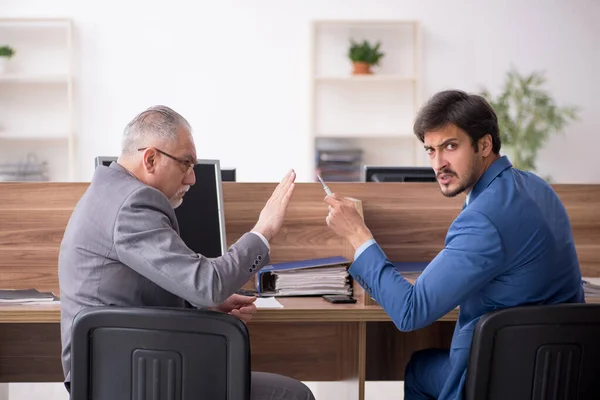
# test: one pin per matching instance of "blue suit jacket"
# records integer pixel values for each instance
(511, 245)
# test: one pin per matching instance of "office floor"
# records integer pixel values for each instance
(322, 391)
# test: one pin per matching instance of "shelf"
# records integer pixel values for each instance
(35, 22)
(377, 23)
(37, 94)
(50, 136)
(34, 78)
(372, 112)
(366, 78)
(369, 135)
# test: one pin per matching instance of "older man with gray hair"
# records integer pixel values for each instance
(121, 246)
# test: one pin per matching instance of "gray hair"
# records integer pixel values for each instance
(157, 123)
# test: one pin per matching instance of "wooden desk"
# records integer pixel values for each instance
(309, 339)
(310, 309)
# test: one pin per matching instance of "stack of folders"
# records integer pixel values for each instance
(314, 277)
(339, 164)
(26, 296)
(30, 169)
(591, 287)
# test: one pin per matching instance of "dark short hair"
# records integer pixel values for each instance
(469, 112)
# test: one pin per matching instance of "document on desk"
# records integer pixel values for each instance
(267, 302)
(591, 287)
(26, 296)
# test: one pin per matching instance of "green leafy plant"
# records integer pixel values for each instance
(527, 116)
(6, 51)
(365, 52)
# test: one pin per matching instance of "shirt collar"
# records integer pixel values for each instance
(488, 176)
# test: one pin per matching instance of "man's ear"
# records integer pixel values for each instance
(485, 145)
(149, 160)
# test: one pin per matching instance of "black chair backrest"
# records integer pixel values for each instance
(536, 352)
(149, 353)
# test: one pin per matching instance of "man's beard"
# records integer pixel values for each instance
(176, 202)
(177, 199)
(464, 185)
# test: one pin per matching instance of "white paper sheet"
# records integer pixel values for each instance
(267, 302)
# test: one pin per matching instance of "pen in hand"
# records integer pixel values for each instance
(325, 187)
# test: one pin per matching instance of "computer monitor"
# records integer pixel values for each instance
(201, 216)
(101, 160)
(398, 174)
(228, 175)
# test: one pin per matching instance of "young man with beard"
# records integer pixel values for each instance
(511, 245)
(121, 246)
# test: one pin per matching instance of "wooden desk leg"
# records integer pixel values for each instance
(362, 359)
(354, 361)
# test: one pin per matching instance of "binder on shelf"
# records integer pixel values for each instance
(314, 277)
(339, 165)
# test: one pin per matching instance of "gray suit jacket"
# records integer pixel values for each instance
(122, 247)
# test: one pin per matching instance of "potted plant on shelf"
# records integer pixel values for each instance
(527, 117)
(364, 56)
(6, 52)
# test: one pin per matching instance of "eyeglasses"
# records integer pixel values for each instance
(189, 165)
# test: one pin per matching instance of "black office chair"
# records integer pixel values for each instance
(536, 352)
(148, 353)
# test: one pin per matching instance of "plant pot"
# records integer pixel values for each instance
(3, 64)
(361, 68)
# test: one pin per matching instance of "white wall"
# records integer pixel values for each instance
(238, 69)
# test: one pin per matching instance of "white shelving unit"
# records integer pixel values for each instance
(36, 95)
(372, 112)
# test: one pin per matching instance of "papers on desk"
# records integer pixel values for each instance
(591, 287)
(267, 302)
(305, 278)
(26, 296)
(326, 280)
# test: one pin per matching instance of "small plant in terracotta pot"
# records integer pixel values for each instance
(364, 56)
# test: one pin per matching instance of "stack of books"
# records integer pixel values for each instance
(314, 277)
